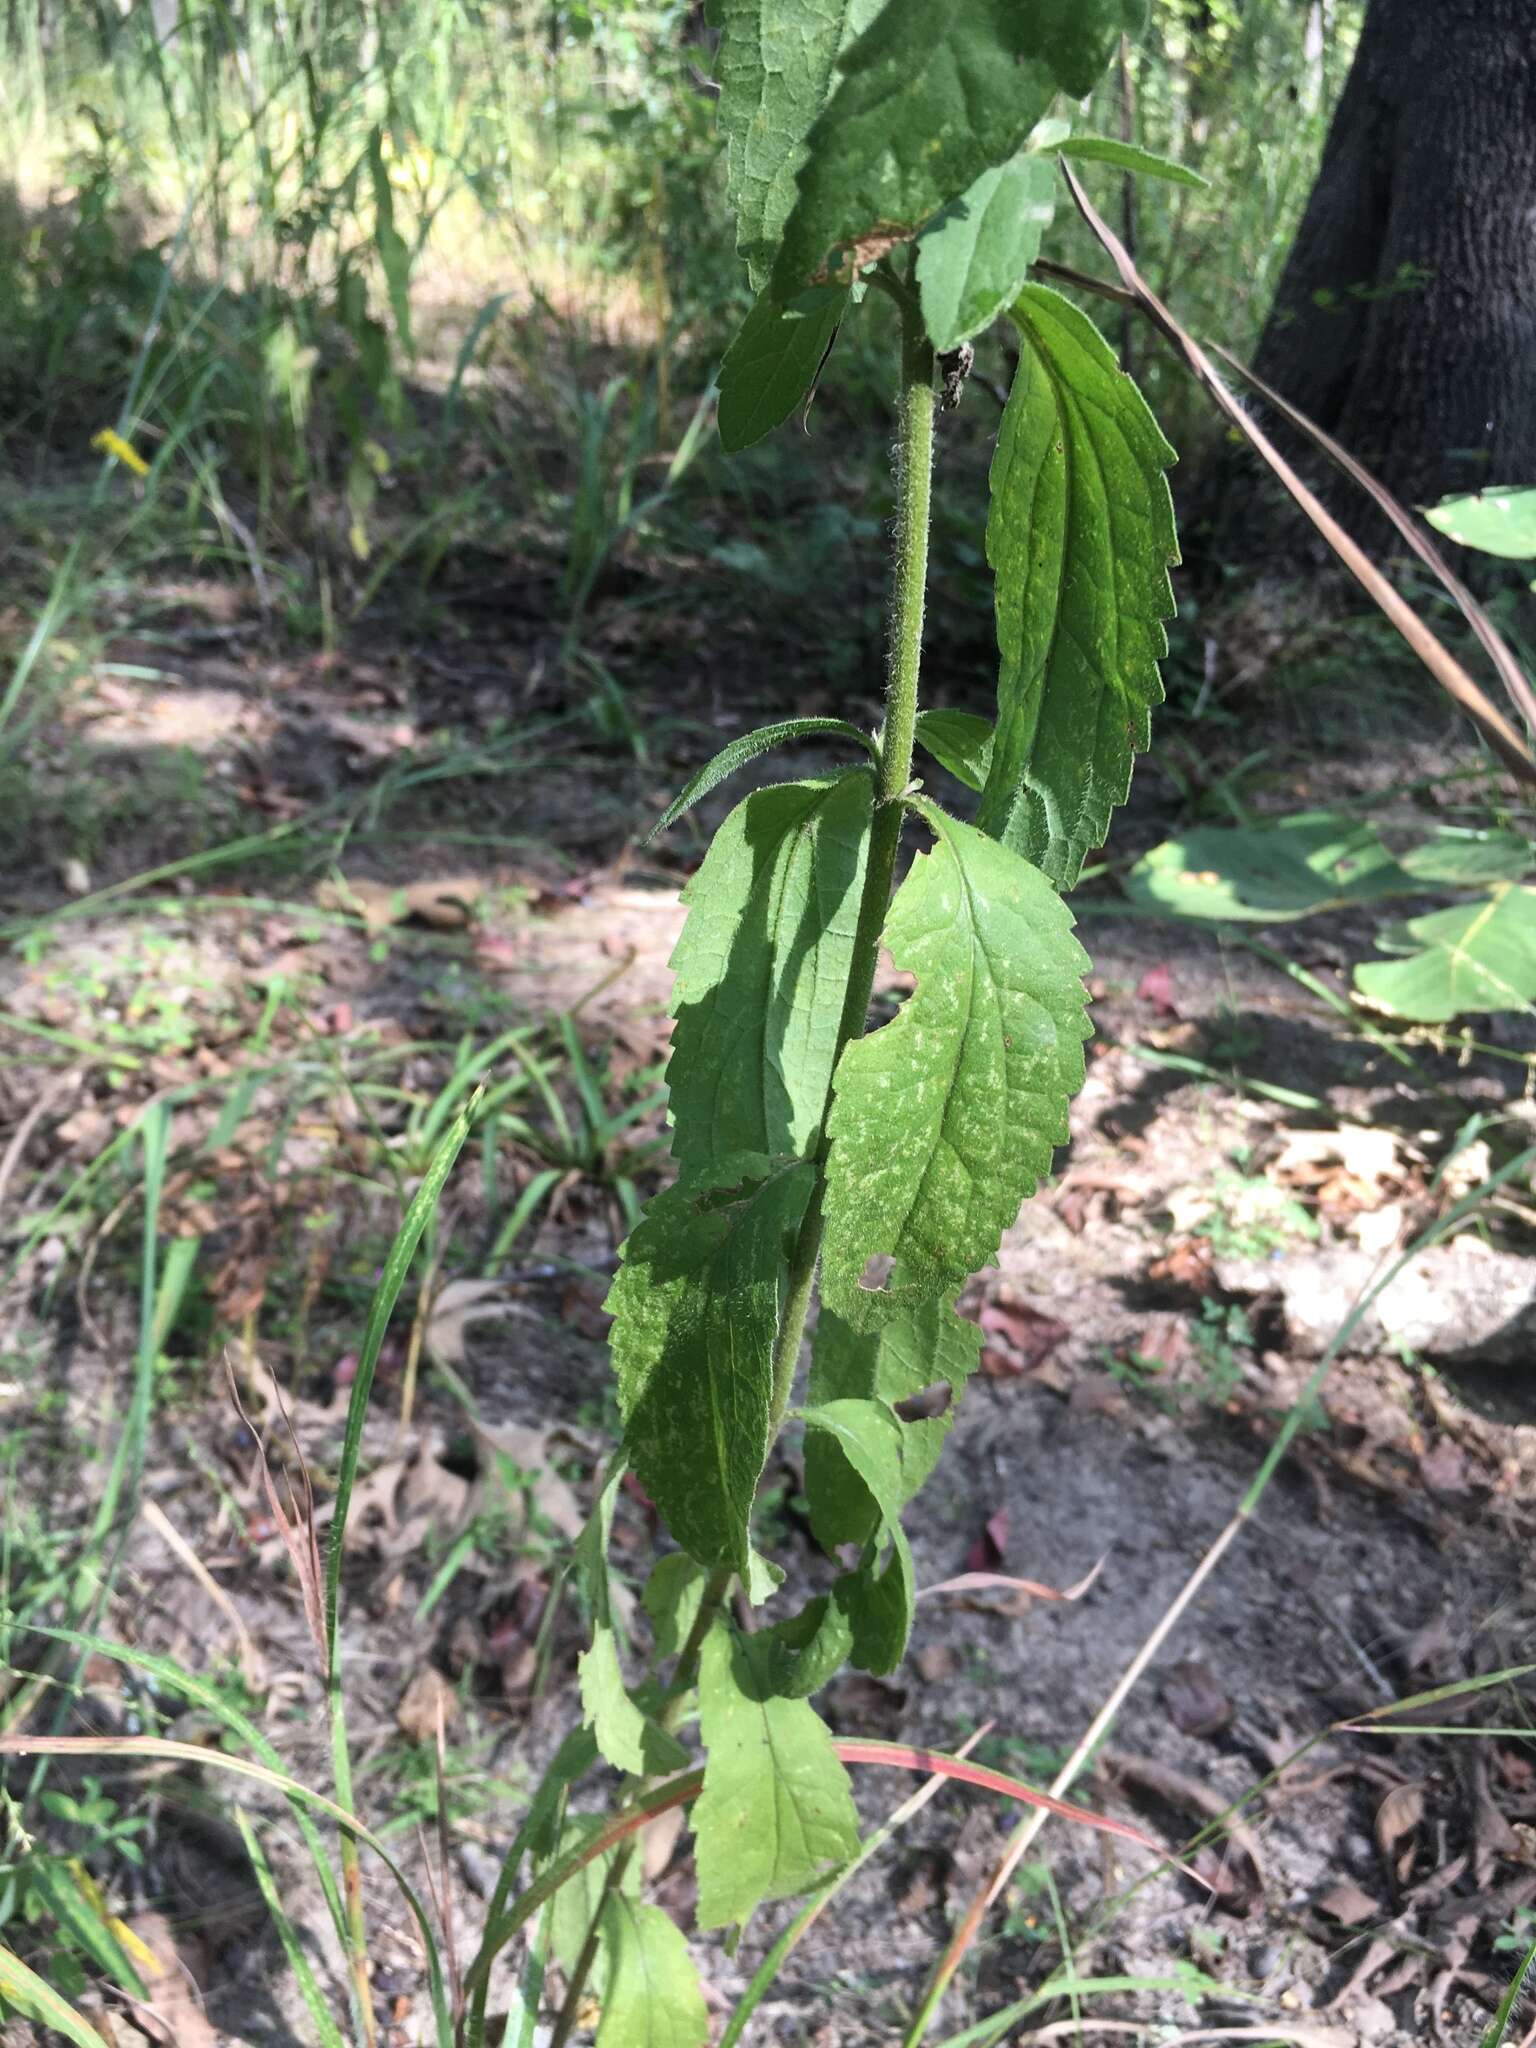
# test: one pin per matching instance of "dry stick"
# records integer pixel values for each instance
(1061, 1784)
(1494, 645)
(1442, 665)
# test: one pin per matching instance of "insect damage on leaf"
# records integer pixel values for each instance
(943, 1120)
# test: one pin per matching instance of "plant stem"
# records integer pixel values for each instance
(914, 491)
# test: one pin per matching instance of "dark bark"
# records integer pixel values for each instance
(1405, 320)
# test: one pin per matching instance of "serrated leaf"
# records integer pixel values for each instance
(1080, 537)
(651, 1997)
(697, 1308)
(1263, 874)
(1127, 156)
(1497, 522)
(772, 364)
(776, 1812)
(973, 257)
(958, 741)
(930, 1346)
(943, 1120)
(876, 1448)
(927, 99)
(1477, 956)
(775, 68)
(627, 1737)
(761, 966)
(745, 749)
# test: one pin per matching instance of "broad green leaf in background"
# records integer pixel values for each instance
(943, 1120)
(1499, 522)
(958, 741)
(746, 748)
(1080, 537)
(776, 1812)
(772, 364)
(929, 1347)
(697, 1308)
(1265, 873)
(776, 66)
(761, 967)
(652, 1997)
(973, 257)
(927, 99)
(1476, 956)
(1469, 859)
(1128, 157)
(627, 1739)
(876, 1449)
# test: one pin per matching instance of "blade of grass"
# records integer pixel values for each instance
(1495, 2035)
(392, 1279)
(32, 1999)
(327, 2032)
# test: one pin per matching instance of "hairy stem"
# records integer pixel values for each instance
(914, 488)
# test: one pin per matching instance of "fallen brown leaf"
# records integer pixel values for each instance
(427, 1698)
(1396, 1827)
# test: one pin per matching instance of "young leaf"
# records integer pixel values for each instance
(1477, 956)
(923, 1349)
(697, 1303)
(811, 1646)
(972, 259)
(628, 1739)
(776, 63)
(943, 1120)
(577, 1900)
(671, 1599)
(761, 967)
(1105, 150)
(772, 363)
(958, 741)
(927, 99)
(652, 1997)
(1265, 873)
(776, 1812)
(742, 750)
(1080, 538)
(874, 1446)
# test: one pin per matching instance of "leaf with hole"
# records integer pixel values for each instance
(926, 100)
(943, 1120)
(1264, 874)
(1475, 956)
(973, 257)
(697, 1308)
(773, 362)
(958, 741)
(776, 1812)
(1080, 537)
(761, 966)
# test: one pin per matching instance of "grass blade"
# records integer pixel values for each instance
(27, 1994)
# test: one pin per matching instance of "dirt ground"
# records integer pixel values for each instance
(1154, 1315)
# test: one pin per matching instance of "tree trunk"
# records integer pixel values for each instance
(1405, 320)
